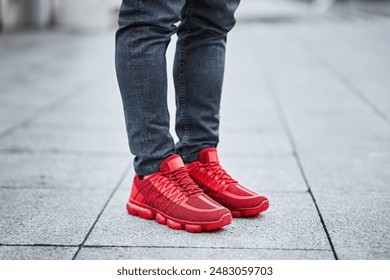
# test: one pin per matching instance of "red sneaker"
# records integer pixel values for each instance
(172, 198)
(220, 186)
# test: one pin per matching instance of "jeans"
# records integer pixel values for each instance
(145, 30)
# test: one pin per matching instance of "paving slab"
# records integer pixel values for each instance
(51, 138)
(341, 133)
(34, 47)
(265, 173)
(358, 222)
(377, 93)
(369, 55)
(200, 254)
(256, 10)
(249, 122)
(291, 223)
(19, 108)
(6, 126)
(36, 253)
(342, 142)
(252, 120)
(351, 65)
(245, 99)
(66, 171)
(106, 97)
(75, 50)
(361, 172)
(17, 113)
(49, 216)
(17, 91)
(22, 86)
(332, 100)
(66, 115)
(96, 101)
(255, 143)
(27, 43)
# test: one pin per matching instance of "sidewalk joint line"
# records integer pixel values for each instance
(37, 245)
(164, 247)
(274, 96)
(127, 169)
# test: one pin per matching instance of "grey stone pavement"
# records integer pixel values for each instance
(305, 120)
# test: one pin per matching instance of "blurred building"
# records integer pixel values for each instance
(68, 14)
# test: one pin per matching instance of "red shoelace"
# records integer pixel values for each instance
(220, 179)
(168, 192)
(182, 178)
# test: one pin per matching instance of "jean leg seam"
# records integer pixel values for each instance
(140, 112)
(183, 103)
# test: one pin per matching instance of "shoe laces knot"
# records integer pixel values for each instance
(182, 178)
(221, 180)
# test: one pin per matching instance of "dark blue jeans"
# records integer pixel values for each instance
(145, 30)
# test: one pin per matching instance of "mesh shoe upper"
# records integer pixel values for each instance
(173, 193)
(219, 185)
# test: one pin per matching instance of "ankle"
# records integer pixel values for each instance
(144, 177)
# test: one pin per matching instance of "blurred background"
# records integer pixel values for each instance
(68, 14)
(102, 14)
(305, 120)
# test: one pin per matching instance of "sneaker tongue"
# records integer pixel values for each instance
(171, 163)
(208, 155)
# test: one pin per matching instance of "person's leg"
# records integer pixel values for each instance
(145, 30)
(169, 195)
(198, 73)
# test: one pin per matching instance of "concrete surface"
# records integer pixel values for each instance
(299, 231)
(148, 253)
(305, 120)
